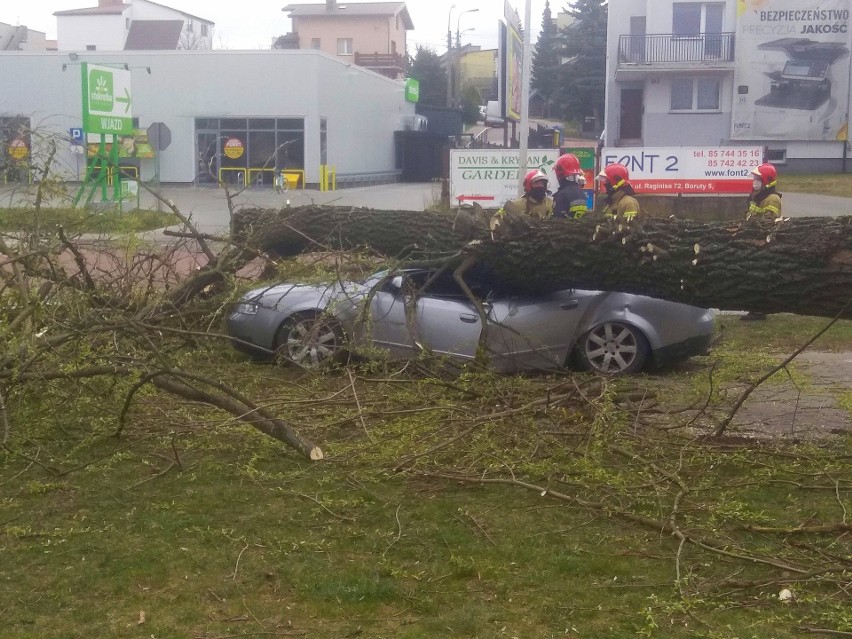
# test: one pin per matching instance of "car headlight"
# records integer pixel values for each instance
(246, 308)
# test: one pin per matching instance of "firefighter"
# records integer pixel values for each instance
(764, 200)
(535, 201)
(569, 201)
(620, 203)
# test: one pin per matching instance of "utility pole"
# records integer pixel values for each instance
(450, 57)
(523, 136)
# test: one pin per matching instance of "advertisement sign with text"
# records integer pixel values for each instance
(791, 81)
(588, 157)
(107, 101)
(513, 54)
(490, 176)
(687, 170)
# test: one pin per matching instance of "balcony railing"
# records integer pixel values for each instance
(385, 63)
(668, 48)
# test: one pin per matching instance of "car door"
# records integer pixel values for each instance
(536, 332)
(415, 312)
(387, 322)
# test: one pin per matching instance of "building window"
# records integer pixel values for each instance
(316, 44)
(204, 31)
(695, 18)
(127, 23)
(776, 156)
(344, 46)
(91, 47)
(695, 94)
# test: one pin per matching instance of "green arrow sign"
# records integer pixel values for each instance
(106, 100)
(125, 100)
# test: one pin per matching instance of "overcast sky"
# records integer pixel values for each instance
(253, 24)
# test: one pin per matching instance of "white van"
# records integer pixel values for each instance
(492, 114)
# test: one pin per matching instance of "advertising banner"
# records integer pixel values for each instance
(792, 75)
(587, 156)
(129, 146)
(490, 176)
(513, 54)
(687, 170)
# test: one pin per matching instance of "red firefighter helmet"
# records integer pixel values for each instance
(767, 174)
(534, 176)
(567, 164)
(615, 174)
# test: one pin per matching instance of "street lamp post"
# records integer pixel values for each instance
(460, 34)
(458, 47)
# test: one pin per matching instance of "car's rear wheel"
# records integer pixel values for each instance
(309, 340)
(613, 348)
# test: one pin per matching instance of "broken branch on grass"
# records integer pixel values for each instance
(178, 382)
(722, 427)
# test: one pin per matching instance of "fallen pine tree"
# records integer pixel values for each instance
(799, 265)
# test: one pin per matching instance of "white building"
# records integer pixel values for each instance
(732, 72)
(20, 38)
(235, 115)
(116, 25)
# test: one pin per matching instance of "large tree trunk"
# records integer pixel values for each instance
(801, 265)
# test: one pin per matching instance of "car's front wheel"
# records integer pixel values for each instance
(613, 348)
(309, 340)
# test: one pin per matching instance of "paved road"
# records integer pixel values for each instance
(209, 208)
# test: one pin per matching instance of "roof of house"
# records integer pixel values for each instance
(109, 10)
(153, 35)
(117, 9)
(344, 9)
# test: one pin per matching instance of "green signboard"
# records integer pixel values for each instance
(586, 155)
(106, 100)
(412, 90)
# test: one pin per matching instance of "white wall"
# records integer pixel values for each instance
(107, 33)
(143, 10)
(363, 108)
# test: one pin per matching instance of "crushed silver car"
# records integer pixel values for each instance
(406, 313)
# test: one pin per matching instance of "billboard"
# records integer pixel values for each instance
(511, 67)
(490, 176)
(792, 74)
(687, 170)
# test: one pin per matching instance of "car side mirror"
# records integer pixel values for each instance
(397, 282)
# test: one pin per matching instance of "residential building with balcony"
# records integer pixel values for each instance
(369, 34)
(131, 25)
(692, 73)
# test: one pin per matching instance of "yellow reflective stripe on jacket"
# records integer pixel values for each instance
(770, 208)
(577, 209)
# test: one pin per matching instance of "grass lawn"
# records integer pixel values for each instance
(75, 220)
(839, 184)
(424, 520)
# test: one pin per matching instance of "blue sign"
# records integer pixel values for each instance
(76, 135)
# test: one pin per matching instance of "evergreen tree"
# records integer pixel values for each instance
(430, 72)
(583, 76)
(546, 60)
